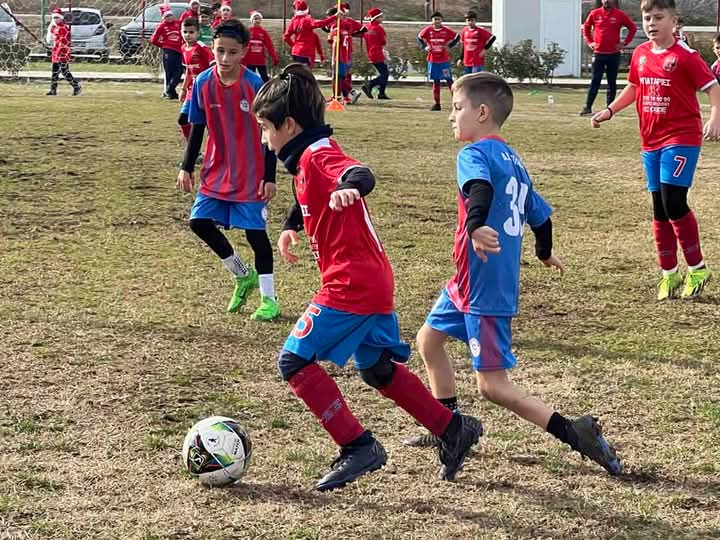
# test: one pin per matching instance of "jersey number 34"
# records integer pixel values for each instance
(514, 225)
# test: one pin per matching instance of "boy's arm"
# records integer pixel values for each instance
(480, 194)
(192, 150)
(294, 219)
(270, 165)
(155, 38)
(712, 127)
(543, 240)
(271, 49)
(454, 41)
(624, 100)
(288, 35)
(360, 178)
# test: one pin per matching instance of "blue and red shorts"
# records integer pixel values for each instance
(670, 165)
(473, 69)
(439, 71)
(230, 215)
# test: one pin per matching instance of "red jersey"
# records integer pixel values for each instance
(666, 84)
(375, 41)
(347, 28)
(356, 274)
(603, 26)
(300, 33)
(190, 13)
(196, 59)
(474, 41)
(260, 43)
(318, 50)
(61, 42)
(168, 35)
(438, 40)
(234, 161)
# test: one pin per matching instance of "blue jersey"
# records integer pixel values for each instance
(492, 288)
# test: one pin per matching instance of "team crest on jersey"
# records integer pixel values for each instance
(474, 347)
(642, 60)
(244, 105)
(301, 183)
(670, 63)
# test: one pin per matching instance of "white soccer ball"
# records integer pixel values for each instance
(217, 451)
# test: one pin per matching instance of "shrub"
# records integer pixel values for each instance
(13, 57)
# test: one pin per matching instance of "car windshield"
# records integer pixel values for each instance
(4, 17)
(84, 18)
(152, 14)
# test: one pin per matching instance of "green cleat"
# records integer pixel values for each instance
(669, 285)
(695, 282)
(268, 310)
(243, 287)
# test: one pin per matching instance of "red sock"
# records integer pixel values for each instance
(666, 244)
(322, 396)
(346, 86)
(407, 390)
(436, 92)
(686, 230)
(185, 131)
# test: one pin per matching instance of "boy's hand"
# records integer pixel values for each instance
(286, 239)
(343, 198)
(183, 95)
(185, 181)
(602, 116)
(485, 240)
(554, 262)
(267, 190)
(459, 63)
(711, 131)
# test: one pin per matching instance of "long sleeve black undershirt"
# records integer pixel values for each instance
(543, 240)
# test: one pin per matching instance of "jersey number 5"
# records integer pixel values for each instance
(514, 224)
(305, 324)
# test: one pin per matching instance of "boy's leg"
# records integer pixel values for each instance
(436, 96)
(54, 79)
(383, 79)
(167, 73)
(262, 71)
(260, 244)
(65, 69)
(176, 71)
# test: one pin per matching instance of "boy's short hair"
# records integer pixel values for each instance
(489, 89)
(647, 5)
(437, 14)
(471, 15)
(294, 93)
(191, 21)
(716, 39)
(233, 29)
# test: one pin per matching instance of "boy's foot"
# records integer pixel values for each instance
(456, 443)
(52, 93)
(268, 310)
(383, 96)
(587, 111)
(77, 90)
(436, 107)
(366, 90)
(352, 463)
(669, 285)
(355, 96)
(243, 288)
(427, 440)
(591, 444)
(695, 282)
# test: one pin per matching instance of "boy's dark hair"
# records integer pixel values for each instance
(647, 5)
(716, 39)
(294, 93)
(232, 29)
(437, 14)
(191, 21)
(489, 89)
(471, 15)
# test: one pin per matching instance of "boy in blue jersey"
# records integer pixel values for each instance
(495, 200)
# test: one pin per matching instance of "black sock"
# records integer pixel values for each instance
(450, 402)
(363, 440)
(560, 427)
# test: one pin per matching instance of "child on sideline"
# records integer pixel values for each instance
(238, 174)
(353, 313)
(716, 65)
(342, 55)
(192, 12)
(168, 37)
(260, 44)
(476, 41)
(300, 34)
(206, 30)
(60, 34)
(197, 57)
(664, 76)
(437, 40)
(495, 200)
(375, 41)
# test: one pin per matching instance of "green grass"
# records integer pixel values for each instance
(115, 338)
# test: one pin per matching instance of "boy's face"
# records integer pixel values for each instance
(659, 24)
(204, 19)
(225, 14)
(257, 21)
(228, 55)
(275, 137)
(467, 121)
(716, 48)
(169, 18)
(607, 4)
(472, 23)
(437, 22)
(190, 34)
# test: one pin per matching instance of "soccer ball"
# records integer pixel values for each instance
(217, 451)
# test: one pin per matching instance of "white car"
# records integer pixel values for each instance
(89, 33)
(8, 27)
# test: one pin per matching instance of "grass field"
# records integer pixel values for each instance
(114, 339)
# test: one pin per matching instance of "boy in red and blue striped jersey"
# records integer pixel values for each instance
(238, 174)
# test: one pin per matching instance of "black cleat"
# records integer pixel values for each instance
(463, 432)
(366, 90)
(592, 444)
(352, 463)
(587, 111)
(436, 107)
(383, 96)
(427, 440)
(52, 93)
(77, 90)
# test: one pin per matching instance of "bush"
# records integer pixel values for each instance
(13, 57)
(151, 58)
(524, 62)
(398, 67)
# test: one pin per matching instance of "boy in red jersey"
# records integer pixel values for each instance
(260, 45)
(193, 12)
(375, 41)
(224, 13)
(60, 34)
(342, 56)
(353, 313)
(664, 76)
(300, 33)
(319, 53)
(476, 41)
(168, 37)
(437, 40)
(197, 57)
(716, 65)
(238, 174)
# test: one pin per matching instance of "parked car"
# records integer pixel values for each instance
(89, 32)
(131, 35)
(8, 26)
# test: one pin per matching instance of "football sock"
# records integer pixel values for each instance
(436, 92)
(686, 230)
(560, 427)
(410, 394)
(267, 286)
(666, 244)
(321, 395)
(451, 403)
(236, 265)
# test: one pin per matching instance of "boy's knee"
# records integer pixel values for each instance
(381, 373)
(490, 387)
(289, 364)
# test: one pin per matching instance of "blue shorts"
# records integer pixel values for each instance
(488, 338)
(439, 72)
(473, 69)
(344, 69)
(323, 333)
(301, 59)
(185, 108)
(231, 215)
(670, 165)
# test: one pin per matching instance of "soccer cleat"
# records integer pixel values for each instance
(436, 107)
(427, 440)
(352, 463)
(383, 96)
(669, 285)
(695, 282)
(591, 444)
(52, 93)
(456, 443)
(366, 90)
(77, 90)
(587, 111)
(243, 288)
(355, 96)
(268, 310)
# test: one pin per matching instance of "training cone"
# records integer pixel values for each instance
(335, 105)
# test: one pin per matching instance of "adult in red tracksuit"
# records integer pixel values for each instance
(602, 33)
(168, 37)
(300, 33)
(259, 45)
(60, 37)
(375, 41)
